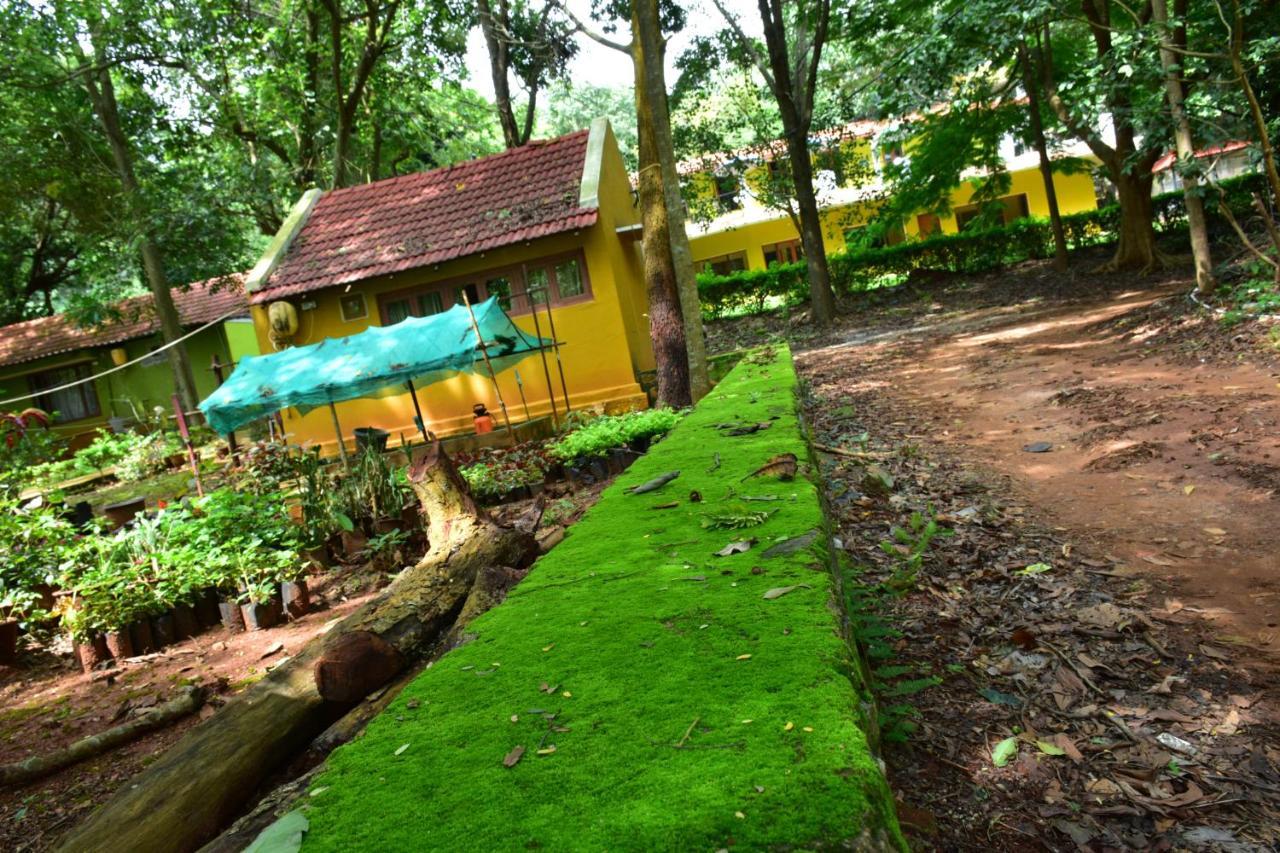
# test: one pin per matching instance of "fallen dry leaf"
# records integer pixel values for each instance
(779, 591)
(513, 757)
(782, 466)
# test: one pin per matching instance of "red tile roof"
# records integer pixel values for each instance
(361, 232)
(1171, 157)
(200, 303)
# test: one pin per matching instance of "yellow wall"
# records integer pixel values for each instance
(1075, 193)
(605, 340)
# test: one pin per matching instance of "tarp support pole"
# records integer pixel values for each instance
(555, 343)
(523, 402)
(422, 425)
(484, 351)
(542, 354)
(337, 428)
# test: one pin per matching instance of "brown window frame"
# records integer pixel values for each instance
(793, 249)
(706, 264)
(88, 390)
(514, 273)
(966, 213)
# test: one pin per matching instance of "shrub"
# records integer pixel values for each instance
(603, 434)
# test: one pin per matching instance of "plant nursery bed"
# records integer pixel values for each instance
(638, 690)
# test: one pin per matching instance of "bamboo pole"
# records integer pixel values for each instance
(422, 424)
(337, 428)
(523, 402)
(542, 353)
(555, 344)
(484, 351)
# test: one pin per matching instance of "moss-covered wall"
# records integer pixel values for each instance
(662, 699)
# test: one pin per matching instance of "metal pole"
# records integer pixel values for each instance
(555, 344)
(484, 351)
(520, 387)
(422, 425)
(337, 428)
(186, 441)
(542, 353)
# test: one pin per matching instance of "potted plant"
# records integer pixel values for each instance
(294, 595)
(259, 602)
(17, 605)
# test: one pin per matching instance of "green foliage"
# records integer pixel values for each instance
(908, 548)
(25, 442)
(602, 434)
(34, 542)
(490, 482)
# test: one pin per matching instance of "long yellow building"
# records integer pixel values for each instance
(735, 225)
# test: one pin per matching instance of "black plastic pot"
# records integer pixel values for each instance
(163, 630)
(92, 653)
(641, 444)
(119, 643)
(207, 609)
(371, 437)
(296, 598)
(317, 558)
(143, 641)
(9, 642)
(185, 623)
(232, 616)
(387, 523)
(353, 543)
(259, 617)
(411, 516)
(123, 512)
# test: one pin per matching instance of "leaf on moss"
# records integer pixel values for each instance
(283, 836)
(792, 545)
(779, 591)
(513, 757)
(736, 548)
(402, 748)
(782, 466)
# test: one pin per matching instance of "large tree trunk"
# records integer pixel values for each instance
(648, 38)
(1137, 247)
(1185, 148)
(102, 95)
(199, 785)
(821, 299)
(666, 325)
(1060, 260)
(498, 65)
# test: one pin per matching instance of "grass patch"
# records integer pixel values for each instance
(661, 701)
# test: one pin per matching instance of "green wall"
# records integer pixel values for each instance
(138, 385)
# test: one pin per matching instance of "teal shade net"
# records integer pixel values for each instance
(371, 364)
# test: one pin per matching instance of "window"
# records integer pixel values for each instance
(1002, 210)
(69, 404)
(779, 170)
(929, 224)
(724, 264)
(874, 236)
(563, 279)
(569, 279)
(727, 197)
(783, 253)
(353, 306)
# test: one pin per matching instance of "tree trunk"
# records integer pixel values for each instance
(666, 325)
(199, 785)
(102, 95)
(1137, 247)
(648, 39)
(1060, 260)
(1185, 148)
(821, 299)
(498, 65)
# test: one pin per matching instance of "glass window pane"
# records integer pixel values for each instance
(501, 288)
(536, 286)
(69, 404)
(397, 311)
(470, 289)
(569, 279)
(430, 303)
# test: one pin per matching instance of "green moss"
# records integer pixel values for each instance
(633, 635)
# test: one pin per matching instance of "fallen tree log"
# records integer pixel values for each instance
(188, 701)
(199, 785)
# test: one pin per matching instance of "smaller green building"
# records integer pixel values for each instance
(49, 352)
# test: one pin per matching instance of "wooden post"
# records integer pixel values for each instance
(181, 418)
(337, 428)
(484, 351)
(216, 367)
(542, 353)
(422, 425)
(523, 402)
(555, 345)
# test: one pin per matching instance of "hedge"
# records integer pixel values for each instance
(965, 252)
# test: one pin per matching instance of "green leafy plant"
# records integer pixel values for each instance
(909, 546)
(604, 433)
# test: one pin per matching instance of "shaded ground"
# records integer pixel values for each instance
(1135, 664)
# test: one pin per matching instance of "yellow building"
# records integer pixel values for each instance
(553, 220)
(733, 226)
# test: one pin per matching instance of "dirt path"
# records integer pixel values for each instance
(1173, 469)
